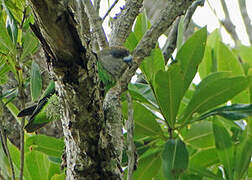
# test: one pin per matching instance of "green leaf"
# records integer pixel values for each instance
(152, 64)
(223, 143)
(199, 135)
(227, 61)
(180, 35)
(191, 177)
(12, 108)
(205, 172)
(203, 158)
(143, 93)
(148, 166)
(15, 155)
(6, 45)
(212, 91)
(36, 81)
(233, 112)
(205, 67)
(16, 8)
(37, 165)
(131, 42)
(190, 55)
(244, 153)
(30, 44)
(11, 24)
(174, 159)
(45, 144)
(53, 170)
(61, 176)
(142, 25)
(145, 122)
(169, 90)
(245, 53)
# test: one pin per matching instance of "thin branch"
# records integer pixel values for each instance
(6, 149)
(22, 149)
(246, 19)
(171, 41)
(130, 139)
(22, 102)
(97, 4)
(226, 23)
(96, 24)
(109, 10)
(149, 40)
(123, 22)
(191, 11)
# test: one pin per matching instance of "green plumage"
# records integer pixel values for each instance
(105, 77)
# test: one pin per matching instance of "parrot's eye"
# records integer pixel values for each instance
(119, 53)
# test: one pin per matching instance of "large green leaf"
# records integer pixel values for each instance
(143, 93)
(145, 122)
(203, 158)
(148, 166)
(245, 53)
(223, 143)
(227, 61)
(169, 90)
(213, 91)
(37, 164)
(36, 81)
(190, 55)
(209, 62)
(152, 64)
(233, 112)
(199, 135)
(45, 144)
(174, 159)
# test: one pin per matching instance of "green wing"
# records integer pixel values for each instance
(105, 77)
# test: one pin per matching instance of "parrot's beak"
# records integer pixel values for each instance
(128, 59)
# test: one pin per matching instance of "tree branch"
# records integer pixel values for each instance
(130, 139)
(96, 24)
(149, 40)
(109, 10)
(246, 19)
(121, 27)
(171, 41)
(227, 23)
